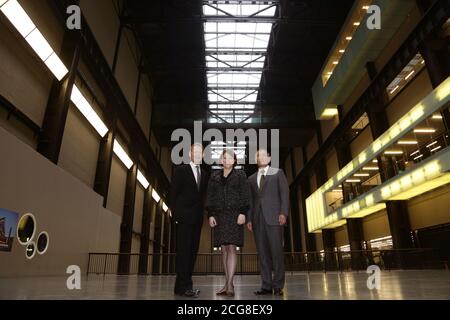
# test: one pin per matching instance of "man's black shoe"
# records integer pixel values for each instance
(278, 292)
(263, 292)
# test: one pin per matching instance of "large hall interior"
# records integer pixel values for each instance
(352, 94)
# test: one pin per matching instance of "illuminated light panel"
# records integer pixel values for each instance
(432, 144)
(56, 66)
(155, 195)
(425, 130)
(407, 142)
(395, 89)
(393, 152)
(142, 180)
(122, 155)
(435, 149)
(329, 113)
(25, 26)
(87, 111)
(409, 75)
(316, 209)
(418, 157)
(370, 168)
(18, 17)
(362, 175)
(424, 187)
(437, 117)
(165, 207)
(352, 180)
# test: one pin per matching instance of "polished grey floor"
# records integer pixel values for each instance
(299, 286)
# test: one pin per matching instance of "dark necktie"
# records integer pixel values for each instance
(199, 178)
(261, 181)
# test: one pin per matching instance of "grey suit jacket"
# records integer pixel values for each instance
(273, 198)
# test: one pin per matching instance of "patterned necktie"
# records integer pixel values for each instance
(198, 177)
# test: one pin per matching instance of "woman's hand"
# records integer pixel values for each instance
(241, 219)
(212, 222)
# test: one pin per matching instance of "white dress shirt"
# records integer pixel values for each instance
(194, 170)
(262, 172)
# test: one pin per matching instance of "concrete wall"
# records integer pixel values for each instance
(65, 207)
(80, 147)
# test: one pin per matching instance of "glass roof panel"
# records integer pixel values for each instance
(236, 40)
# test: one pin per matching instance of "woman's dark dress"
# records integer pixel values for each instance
(226, 199)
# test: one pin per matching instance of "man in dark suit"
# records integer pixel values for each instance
(187, 195)
(267, 218)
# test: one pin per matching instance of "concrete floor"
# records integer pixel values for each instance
(299, 286)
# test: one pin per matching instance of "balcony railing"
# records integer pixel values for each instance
(248, 263)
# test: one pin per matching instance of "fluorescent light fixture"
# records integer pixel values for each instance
(407, 142)
(370, 168)
(362, 175)
(336, 190)
(415, 152)
(22, 22)
(155, 195)
(353, 180)
(329, 73)
(437, 117)
(409, 75)
(425, 130)
(418, 157)
(142, 180)
(435, 149)
(395, 89)
(165, 207)
(422, 188)
(18, 17)
(56, 66)
(356, 23)
(97, 123)
(342, 51)
(88, 112)
(393, 152)
(348, 38)
(431, 144)
(329, 112)
(37, 41)
(375, 161)
(122, 155)
(365, 7)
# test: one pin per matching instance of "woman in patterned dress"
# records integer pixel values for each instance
(227, 202)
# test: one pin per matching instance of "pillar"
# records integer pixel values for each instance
(53, 125)
(126, 227)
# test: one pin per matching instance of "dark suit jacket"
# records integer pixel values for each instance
(273, 198)
(185, 200)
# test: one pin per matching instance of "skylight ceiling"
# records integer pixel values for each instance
(237, 34)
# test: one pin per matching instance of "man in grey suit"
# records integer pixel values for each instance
(266, 219)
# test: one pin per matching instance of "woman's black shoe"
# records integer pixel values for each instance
(262, 292)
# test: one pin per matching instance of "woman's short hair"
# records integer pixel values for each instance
(231, 153)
